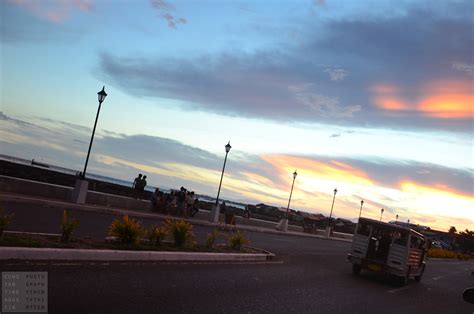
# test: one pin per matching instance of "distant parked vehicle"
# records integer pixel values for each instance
(388, 248)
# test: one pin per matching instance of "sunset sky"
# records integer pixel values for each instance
(374, 98)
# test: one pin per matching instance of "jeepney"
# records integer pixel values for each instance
(388, 248)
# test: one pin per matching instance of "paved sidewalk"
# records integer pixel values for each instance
(136, 213)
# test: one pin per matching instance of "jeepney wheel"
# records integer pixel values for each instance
(356, 269)
(404, 280)
(418, 278)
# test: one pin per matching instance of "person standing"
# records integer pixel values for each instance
(155, 199)
(195, 208)
(136, 185)
(142, 187)
(189, 203)
(181, 201)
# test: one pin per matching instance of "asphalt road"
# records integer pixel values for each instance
(308, 276)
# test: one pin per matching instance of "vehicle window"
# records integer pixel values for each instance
(400, 238)
(363, 229)
(416, 243)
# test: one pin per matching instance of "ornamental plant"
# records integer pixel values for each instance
(127, 230)
(67, 227)
(5, 220)
(236, 240)
(157, 235)
(181, 231)
(211, 238)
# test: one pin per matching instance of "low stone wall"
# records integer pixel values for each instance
(34, 188)
(204, 215)
(64, 193)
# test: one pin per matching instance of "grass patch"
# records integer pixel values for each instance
(14, 240)
(46, 241)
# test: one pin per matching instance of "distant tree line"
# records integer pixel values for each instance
(464, 240)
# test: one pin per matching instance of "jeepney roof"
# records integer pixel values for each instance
(389, 226)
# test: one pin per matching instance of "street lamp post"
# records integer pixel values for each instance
(283, 224)
(328, 228)
(101, 97)
(381, 213)
(80, 189)
(215, 210)
(361, 204)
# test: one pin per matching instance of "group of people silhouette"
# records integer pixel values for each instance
(180, 203)
(139, 185)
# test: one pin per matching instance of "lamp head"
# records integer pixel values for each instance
(101, 95)
(228, 147)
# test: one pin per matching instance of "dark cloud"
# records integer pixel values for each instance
(325, 79)
(164, 9)
(261, 85)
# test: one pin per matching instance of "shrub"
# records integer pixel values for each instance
(211, 238)
(156, 235)
(127, 230)
(442, 253)
(236, 240)
(5, 220)
(67, 227)
(181, 231)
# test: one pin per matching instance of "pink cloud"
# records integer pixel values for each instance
(54, 10)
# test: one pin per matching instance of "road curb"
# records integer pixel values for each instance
(19, 253)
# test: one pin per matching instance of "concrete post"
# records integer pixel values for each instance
(327, 232)
(282, 225)
(79, 193)
(215, 211)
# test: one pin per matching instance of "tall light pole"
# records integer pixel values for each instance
(79, 193)
(101, 97)
(215, 212)
(361, 204)
(283, 224)
(381, 213)
(332, 206)
(291, 193)
(328, 227)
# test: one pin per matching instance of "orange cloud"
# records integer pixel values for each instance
(386, 97)
(437, 188)
(438, 99)
(438, 201)
(448, 100)
(312, 169)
